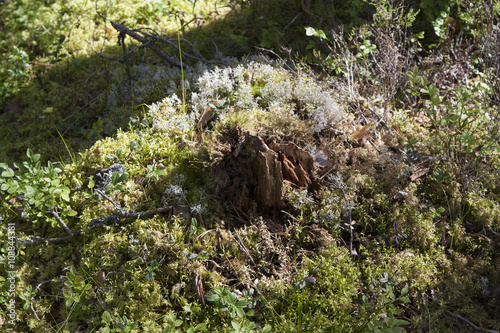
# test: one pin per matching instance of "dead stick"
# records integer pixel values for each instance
(117, 207)
(121, 28)
(96, 222)
(134, 215)
(61, 222)
(469, 323)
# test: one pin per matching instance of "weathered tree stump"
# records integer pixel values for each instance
(252, 175)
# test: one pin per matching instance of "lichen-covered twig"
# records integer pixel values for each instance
(39, 240)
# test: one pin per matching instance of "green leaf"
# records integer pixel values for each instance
(149, 275)
(432, 90)
(397, 322)
(133, 145)
(200, 326)
(8, 173)
(70, 212)
(316, 33)
(115, 178)
(30, 191)
(177, 323)
(240, 312)
(236, 325)
(212, 298)
(64, 193)
(106, 317)
(241, 304)
(266, 328)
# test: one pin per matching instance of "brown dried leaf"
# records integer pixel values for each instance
(206, 117)
(101, 276)
(418, 172)
(360, 131)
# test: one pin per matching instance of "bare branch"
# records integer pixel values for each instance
(128, 215)
(121, 28)
(61, 222)
(117, 206)
(99, 222)
(477, 328)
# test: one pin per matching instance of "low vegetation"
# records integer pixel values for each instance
(250, 166)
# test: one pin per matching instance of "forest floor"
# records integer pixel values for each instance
(186, 181)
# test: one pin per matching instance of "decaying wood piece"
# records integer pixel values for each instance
(251, 175)
(198, 288)
(269, 177)
(297, 165)
(300, 155)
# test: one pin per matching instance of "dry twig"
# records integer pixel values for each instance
(122, 29)
(97, 222)
(477, 328)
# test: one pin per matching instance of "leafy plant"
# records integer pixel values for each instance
(234, 304)
(230, 302)
(75, 287)
(383, 308)
(117, 156)
(58, 56)
(195, 228)
(28, 296)
(154, 172)
(117, 181)
(151, 270)
(174, 324)
(125, 325)
(37, 188)
(462, 125)
(17, 72)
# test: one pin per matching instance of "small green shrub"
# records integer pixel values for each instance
(38, 189)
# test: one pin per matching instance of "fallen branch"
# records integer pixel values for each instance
(39, 240)
(122, 29)
(61, 222)
(128, 215)
(117, 207)
(98, 222)
(477, 328)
